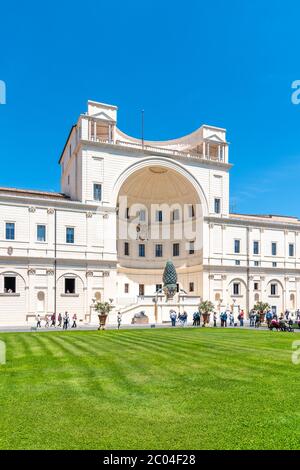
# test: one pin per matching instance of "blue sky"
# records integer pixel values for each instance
(226, 63)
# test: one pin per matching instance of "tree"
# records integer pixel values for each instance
(261, 307)
(205, 308)
(103, 309)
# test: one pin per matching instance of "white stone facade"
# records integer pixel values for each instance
(58, 251)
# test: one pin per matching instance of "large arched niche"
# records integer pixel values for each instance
(162, 163)
(159, 182)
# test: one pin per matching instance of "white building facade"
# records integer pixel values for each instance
(126, 207)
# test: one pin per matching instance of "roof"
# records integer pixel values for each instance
(66, 143)
(273, 217)
(32, 192)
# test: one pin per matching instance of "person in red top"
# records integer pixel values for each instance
(241, 317)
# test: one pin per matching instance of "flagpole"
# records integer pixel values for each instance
(142, 128)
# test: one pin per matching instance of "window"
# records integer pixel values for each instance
(142, 215)
(158, 216)
(158, 288)
(256, 286)
(237, 246)
(10, 231)
(177, 287)
(256, 263)
(291, 249)
(274, 248)
(191, 287)
(10, 284)
(126, 288)
(69, 285)
(175, 249)
(176, 214)
(141, 290)
(236, 288)
(217, 206)
(70, 234)
(256, 248)
(142, 250)
(274, 264)
(273, 289)
(41, 233)
(191, 211)
(158, 250)
(68, 179)
(126, 249)
(237, 262)
(127, 216)
(97, 192)
(192, 248)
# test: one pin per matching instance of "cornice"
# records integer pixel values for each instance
(53, 203)
(251, 271)
(252, 223)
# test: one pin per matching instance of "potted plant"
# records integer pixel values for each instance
(206, 307)
(103, 309)
(261, 308)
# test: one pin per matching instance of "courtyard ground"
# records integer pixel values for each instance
(150, 389)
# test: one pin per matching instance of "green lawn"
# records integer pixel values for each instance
(150, 389)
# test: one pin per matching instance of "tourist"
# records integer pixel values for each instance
(298, 315)
(231, 319)
(173, 317)
(196, 319)
(269, 317)
(215, 319)
(119, 319)
(241, 317)
(257, 320)
(53, 319)
(184, 318)
(47, 321)
(252, 318)
(59, 318)
(287, 313)
(66, 321)
(74, 318)
(38, 321)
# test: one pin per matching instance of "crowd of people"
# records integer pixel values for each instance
(227, 318)
(62, 321)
